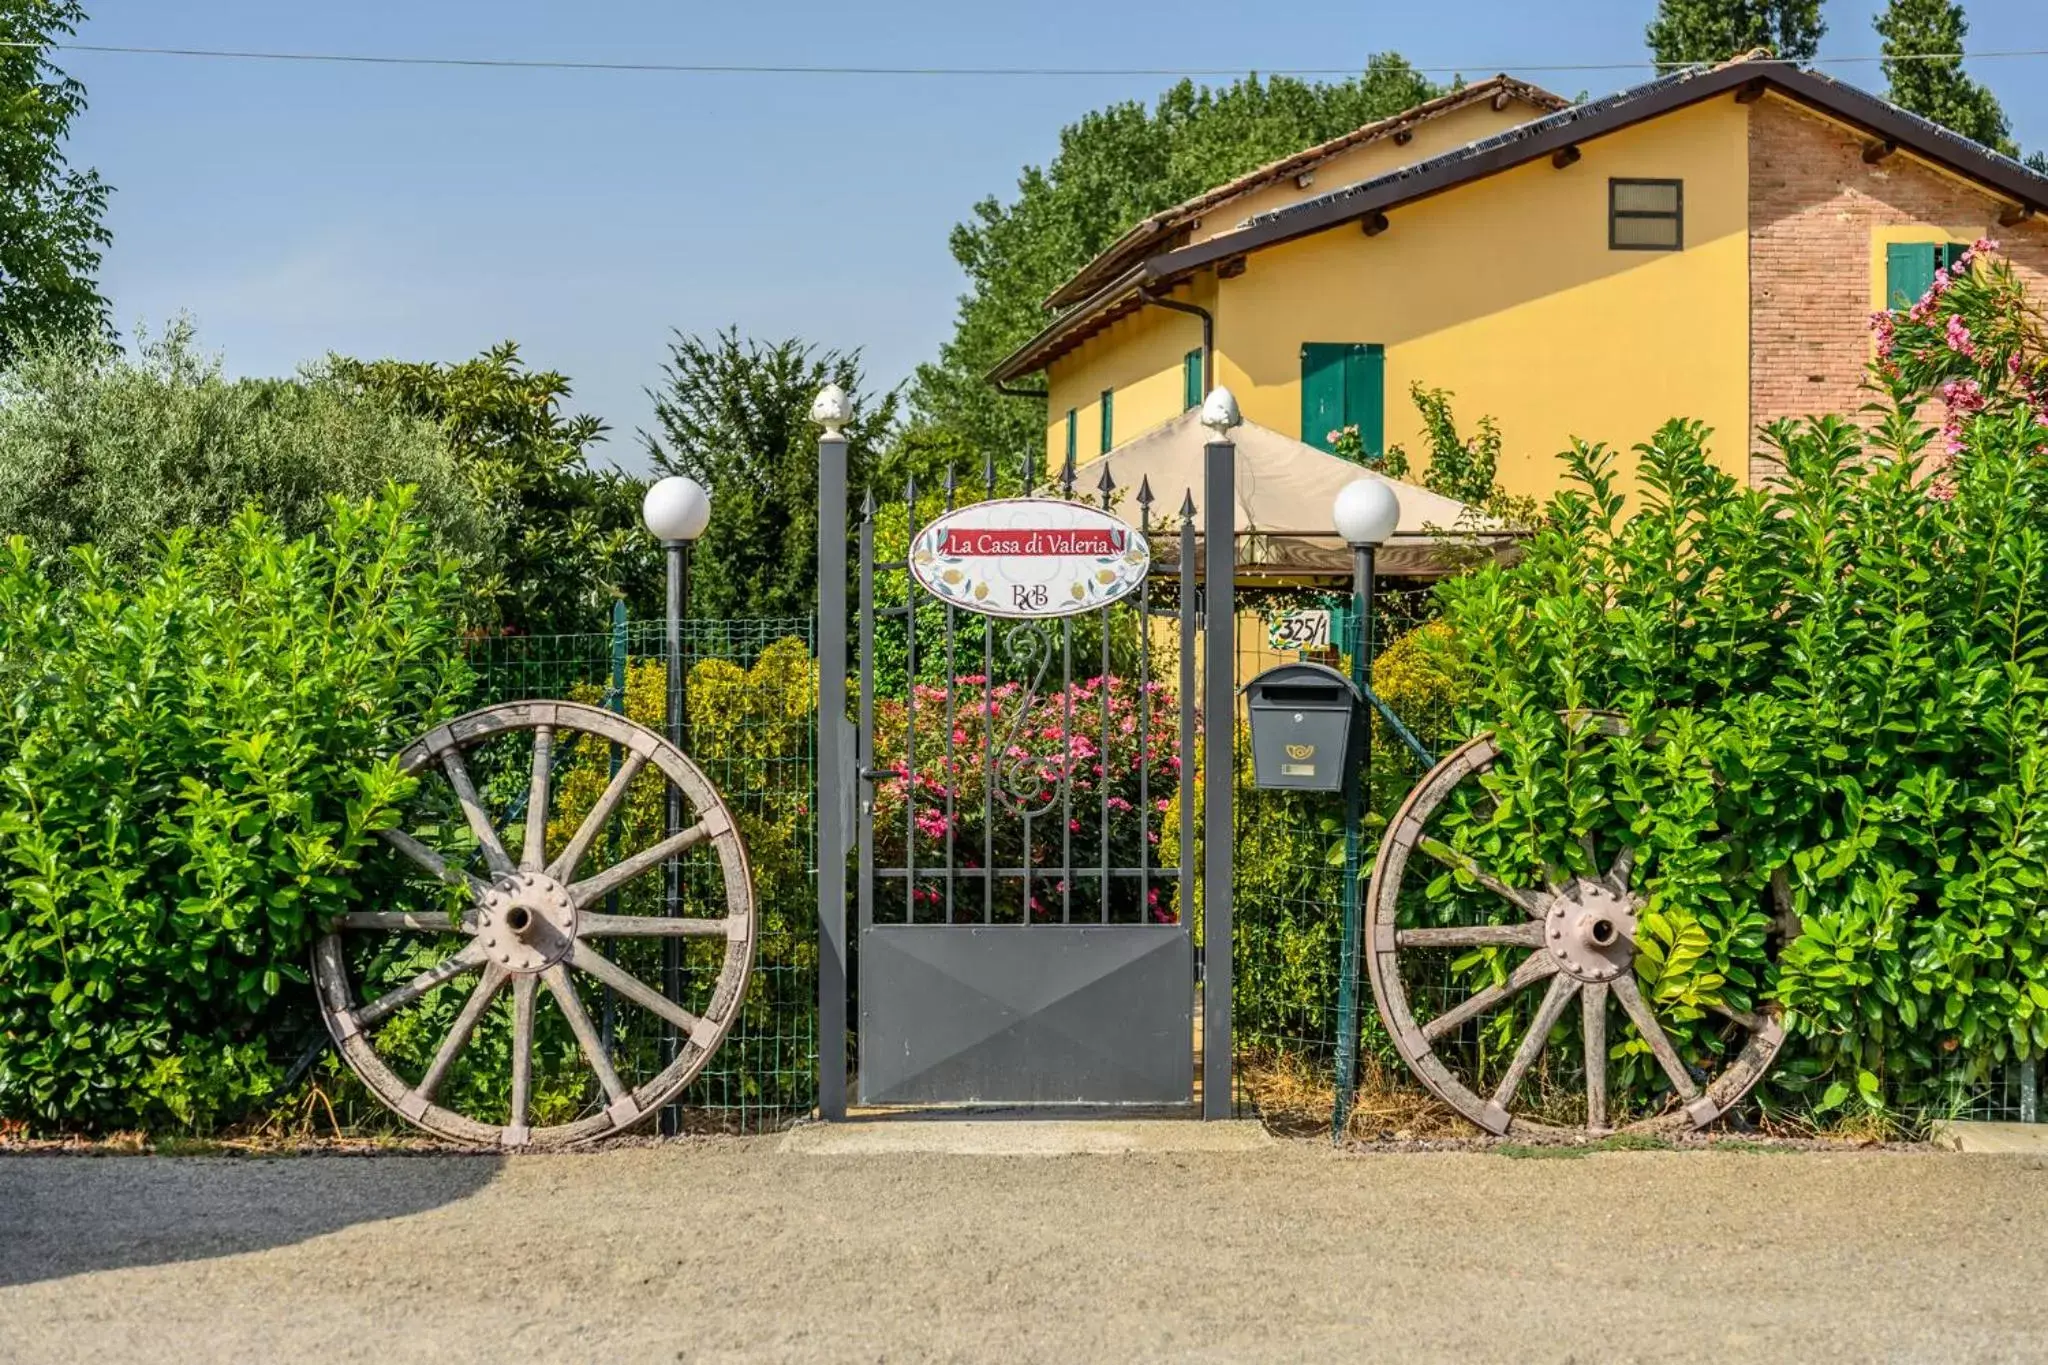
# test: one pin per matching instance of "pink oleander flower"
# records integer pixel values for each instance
(1983, 245)
(1958, 337)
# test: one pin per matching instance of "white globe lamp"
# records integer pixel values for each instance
(1366, 512)
(676, 509)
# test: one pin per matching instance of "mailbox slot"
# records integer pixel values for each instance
(1305, 720)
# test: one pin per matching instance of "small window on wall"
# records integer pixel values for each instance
(1108, 420)
(1191, 389)
(1645, 215)
(1909, 269)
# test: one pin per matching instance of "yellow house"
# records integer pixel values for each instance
(1707, 245)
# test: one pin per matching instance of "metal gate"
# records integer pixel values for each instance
(1023, 831)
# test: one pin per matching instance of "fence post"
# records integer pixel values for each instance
(833, 812)
(1219, 739)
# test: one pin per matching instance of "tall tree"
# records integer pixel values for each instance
(1115, 166)
(1923, 68)
(51, 235)
(1689, 31)
(734, 414)
(566, 537)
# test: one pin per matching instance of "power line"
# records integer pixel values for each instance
(804, 69)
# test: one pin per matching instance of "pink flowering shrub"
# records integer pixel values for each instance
(1066, 758)
(1974, 341)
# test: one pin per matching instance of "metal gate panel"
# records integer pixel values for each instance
(1026, 1014)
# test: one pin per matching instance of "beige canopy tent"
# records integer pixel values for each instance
(1285, 489)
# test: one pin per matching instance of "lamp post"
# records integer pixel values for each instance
(676, 511)
(1365, 514)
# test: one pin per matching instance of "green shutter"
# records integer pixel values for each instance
(1344, 384)
(1365, 396)
(1073, 423)
(1908, 272)
(1191, 379)
(1108, 419)
(1322, 391)
(1951, 252)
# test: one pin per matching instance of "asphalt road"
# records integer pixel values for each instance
(721, 1249)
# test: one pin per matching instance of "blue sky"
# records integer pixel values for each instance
(293, 209)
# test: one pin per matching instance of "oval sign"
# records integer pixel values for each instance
(1029, 557)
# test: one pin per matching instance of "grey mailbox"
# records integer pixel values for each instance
(1304, 720)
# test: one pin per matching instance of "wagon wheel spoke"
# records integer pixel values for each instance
(563, 989)
(1591, 850)
(585, 958)
(1533, 903)
(524, 994)
(433, 862)
(535, 855)
(1593, 1000)
(1528, 935)
(1621, 869)
(563, 868)
(1755, 1023)
(1534, 968)
(649, 926)
(1631, 997)
(473, 811)
(618, 874)
(404, 919)
(1562, 989)
(440, 974)
(458, 1035)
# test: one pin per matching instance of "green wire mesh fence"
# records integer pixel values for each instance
(749, 725)
(1298, 877)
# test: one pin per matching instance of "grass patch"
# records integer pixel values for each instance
(1566, 1151)
(190, 1146)
(1543, 1151)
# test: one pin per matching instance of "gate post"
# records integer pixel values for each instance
(833, 814)
(1219, 736)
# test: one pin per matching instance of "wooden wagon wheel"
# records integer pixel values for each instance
(1580, 936)
(533, 921)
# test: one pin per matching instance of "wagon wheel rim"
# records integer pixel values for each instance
(1579, 932)
(534, 923)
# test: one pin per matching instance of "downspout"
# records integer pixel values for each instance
(1208, 332)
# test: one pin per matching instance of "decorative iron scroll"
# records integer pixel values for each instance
(1031, 783)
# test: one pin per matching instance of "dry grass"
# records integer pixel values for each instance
(1295, 1098)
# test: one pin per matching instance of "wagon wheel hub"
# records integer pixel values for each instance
(1591, 931)
(526, 922)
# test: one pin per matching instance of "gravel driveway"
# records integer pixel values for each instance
(709, 1249)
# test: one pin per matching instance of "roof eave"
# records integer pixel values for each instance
(1843, 102)
(1154, 225)
(1045, 344)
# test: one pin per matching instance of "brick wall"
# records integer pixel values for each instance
(1813, 203)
